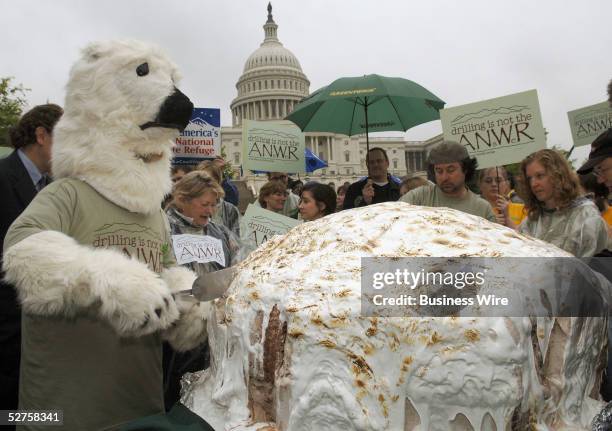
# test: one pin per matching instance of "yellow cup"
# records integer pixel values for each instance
(516, 212)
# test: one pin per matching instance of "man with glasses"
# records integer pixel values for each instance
(600, 159)
(451, 166)
(600, 163)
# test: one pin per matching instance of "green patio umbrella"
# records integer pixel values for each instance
(369, 103)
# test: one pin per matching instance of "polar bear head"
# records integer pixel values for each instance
(122, 114)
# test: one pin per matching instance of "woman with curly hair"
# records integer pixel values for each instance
(272, 196)
(556, 211)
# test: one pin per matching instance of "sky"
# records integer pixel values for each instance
(462, 51)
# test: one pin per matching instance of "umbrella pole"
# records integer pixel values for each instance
(365, 107)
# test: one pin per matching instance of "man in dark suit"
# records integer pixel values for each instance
(22, 174)
(379, 186)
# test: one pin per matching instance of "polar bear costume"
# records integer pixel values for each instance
(90, 256)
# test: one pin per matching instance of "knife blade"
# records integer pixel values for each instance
(213, 285)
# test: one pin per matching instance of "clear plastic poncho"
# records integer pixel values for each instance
(578, 229)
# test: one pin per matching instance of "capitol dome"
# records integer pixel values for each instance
(271, 54)
(272, 81)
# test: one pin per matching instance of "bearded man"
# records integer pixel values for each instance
(452, 167)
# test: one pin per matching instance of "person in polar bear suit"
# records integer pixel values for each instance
(90, 256)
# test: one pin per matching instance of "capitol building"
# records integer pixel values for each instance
(271, 84)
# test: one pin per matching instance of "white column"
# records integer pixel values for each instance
(329, 157)
(269, 110)
(277, 108)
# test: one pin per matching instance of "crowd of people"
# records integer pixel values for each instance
(547, 199)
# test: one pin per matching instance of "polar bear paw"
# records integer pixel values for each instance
(190, 330)
(135, 300)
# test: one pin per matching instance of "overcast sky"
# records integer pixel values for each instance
(462, 51)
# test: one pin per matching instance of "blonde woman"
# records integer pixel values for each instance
(194, 200)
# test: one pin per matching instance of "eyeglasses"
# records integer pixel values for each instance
(601, 172)
(491, 180)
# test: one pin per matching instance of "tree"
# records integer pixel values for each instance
(567, 154)
(12, 102)
(228, 171)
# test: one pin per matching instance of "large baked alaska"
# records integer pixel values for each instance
(291, 351)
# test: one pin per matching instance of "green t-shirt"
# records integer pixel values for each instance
(80, 365)
(431, 196)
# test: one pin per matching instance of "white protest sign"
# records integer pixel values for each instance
(197, 248)
(273, 147)
(497, 131)
(259, 224)
(589, 122)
